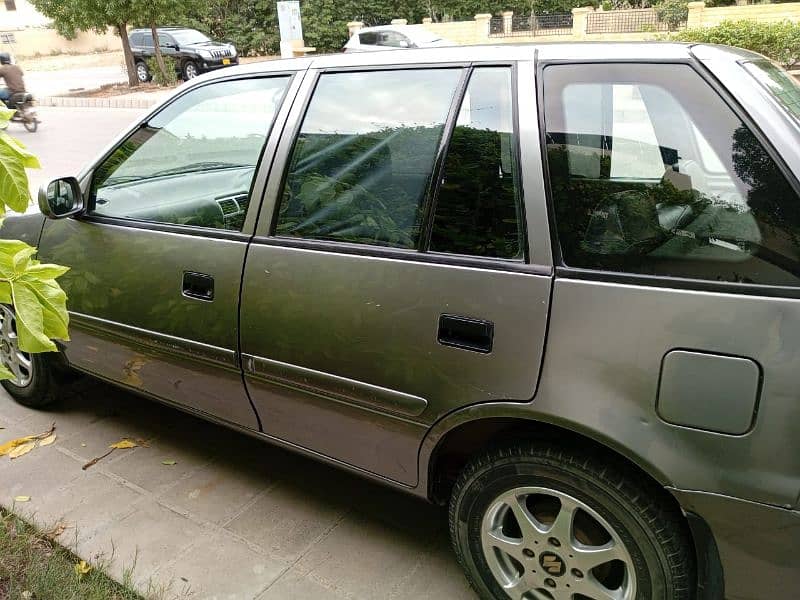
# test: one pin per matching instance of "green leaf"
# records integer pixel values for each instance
(53, 302)
(14, 191)
(5, 373)
(30, 320)
(22, 259)
(28, 160)
(46, 271)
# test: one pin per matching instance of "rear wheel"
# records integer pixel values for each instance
(536, 522)
(36, 380)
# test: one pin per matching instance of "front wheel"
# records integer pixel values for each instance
(190, 70)
(30, 123)
(142, 72)
(36, 378)
(536, 522)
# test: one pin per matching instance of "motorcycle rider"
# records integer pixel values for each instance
(12, 76)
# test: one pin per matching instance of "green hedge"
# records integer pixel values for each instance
(779, 41)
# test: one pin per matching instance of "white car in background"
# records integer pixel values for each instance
(393, 37)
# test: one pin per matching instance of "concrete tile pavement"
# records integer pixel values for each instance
(234, 518)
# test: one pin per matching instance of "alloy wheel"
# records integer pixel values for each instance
(141, 72)
(190, 71)
(17, 361)
(542, 544)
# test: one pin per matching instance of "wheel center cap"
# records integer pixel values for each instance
(552, 563)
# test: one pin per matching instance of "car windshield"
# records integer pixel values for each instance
(189, 36)
(783, 87)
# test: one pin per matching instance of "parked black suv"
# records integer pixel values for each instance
(194, 52)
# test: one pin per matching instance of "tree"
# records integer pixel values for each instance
(71, 16)
(26, 284)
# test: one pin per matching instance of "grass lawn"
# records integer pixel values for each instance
(32, 567)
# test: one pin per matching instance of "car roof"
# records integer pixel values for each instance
(167, 28)
(569, 51)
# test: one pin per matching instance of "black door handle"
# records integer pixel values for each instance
(466, 333)
(198, 285)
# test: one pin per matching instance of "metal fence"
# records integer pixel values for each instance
(532, 25)
(627, 21)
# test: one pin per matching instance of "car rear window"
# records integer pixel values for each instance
(652, 173)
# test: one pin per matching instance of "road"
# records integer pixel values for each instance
(59, 82)
(69, 138)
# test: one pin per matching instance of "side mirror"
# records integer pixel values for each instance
(61, 198)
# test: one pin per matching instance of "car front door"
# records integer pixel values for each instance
(394, 281)
(156, 261)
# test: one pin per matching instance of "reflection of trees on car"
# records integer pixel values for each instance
(657, 228)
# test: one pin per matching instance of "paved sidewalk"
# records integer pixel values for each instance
(234, 518)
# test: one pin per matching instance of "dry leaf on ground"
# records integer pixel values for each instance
(48, 440)
(169, 463)
(18, 447)
(123, 444)
(22, 449)
(22, 498)
(56, 530)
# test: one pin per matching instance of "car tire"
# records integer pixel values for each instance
(190, 70)
(40, 376)
(142, 72)
(530, 520)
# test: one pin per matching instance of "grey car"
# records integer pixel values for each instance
(554, 287)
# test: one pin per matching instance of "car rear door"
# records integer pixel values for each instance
(156, 261)
(676, 309)
(398, 277)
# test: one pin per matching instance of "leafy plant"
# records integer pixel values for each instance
(779, 41)
(673, 12)
(25, 283)
(169, 76)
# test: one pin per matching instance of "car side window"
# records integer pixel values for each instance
(478, 209)
(147, 39)
(193, 162)
(652, 173)
(362, 162)
(369, 38)
(165, 41)
(393, 39)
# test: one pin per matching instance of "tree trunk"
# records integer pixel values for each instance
(159, 57)
(130, 63)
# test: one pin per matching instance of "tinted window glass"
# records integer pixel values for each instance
(193, 163)
(477, 211)
(369, 38)
(653, 173)
(146, 39)
(362, 163)
(165, 40)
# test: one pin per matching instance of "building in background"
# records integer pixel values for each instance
(20, 14)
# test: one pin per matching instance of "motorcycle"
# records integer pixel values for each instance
(25, 113)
